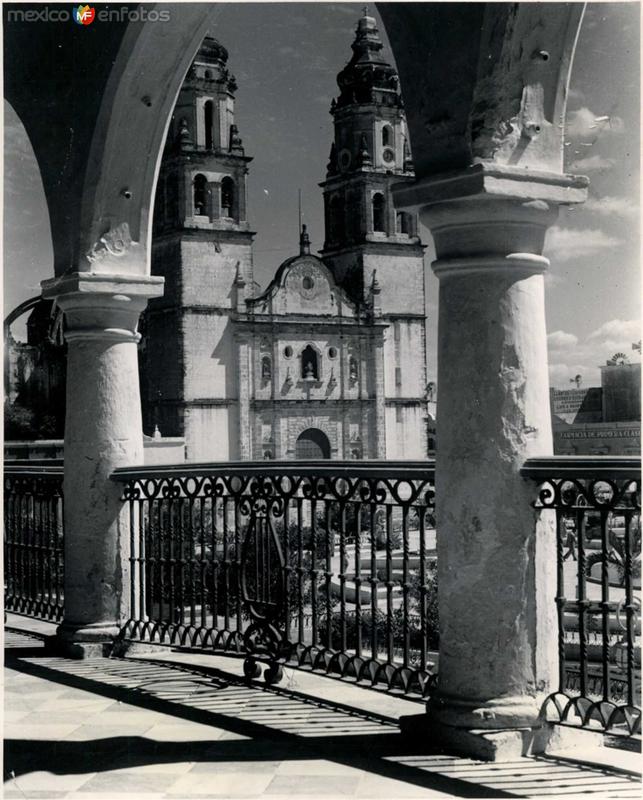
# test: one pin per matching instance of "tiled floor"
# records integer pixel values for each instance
(125, 728)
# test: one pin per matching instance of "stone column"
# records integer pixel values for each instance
(496, 554)
(380, 407)
(245, 431)
(103, 431)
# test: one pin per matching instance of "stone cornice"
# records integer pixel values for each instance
(383, 248)
(492, 180)
(299, 321)
(103, 283)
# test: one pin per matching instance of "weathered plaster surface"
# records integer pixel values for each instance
(103, 432)
(493, 374)
(502, 98)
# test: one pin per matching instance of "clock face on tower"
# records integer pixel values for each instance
(344, 159)
(388, 155)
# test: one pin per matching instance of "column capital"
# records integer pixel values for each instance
(491, 218)
(487, 180)
(102, 305)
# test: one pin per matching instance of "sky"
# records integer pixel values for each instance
(286, 57)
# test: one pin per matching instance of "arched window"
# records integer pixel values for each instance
(200, 194)
(403, 222)
(387, 136)
(309, 364)
(266, 369)
(208, 110)
(353, 370)
(336, 219)
(227, 197)
(378, 213)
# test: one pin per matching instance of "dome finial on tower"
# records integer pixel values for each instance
(368, 77)
(304, 242)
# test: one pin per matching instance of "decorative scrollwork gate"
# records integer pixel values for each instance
(263, 583)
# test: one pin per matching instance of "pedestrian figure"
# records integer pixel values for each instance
(570, 540)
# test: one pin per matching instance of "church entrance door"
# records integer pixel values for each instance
(312, 444)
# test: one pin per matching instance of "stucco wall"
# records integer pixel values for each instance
(211, 433)
(401, 279)
(209, 357)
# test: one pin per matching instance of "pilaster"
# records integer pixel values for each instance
(245, 428)
(380, 407)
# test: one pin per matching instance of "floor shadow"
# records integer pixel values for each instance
(279, 689)
(372, 753)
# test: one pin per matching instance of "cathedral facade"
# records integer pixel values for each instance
(329, 360)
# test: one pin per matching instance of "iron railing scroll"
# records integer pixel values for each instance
(33, 540)
(597, 503)
(324, 565)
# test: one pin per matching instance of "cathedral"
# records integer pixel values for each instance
(329, 360)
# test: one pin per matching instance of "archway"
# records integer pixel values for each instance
(312, 444)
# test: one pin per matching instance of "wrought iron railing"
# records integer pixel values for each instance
(33, 540)
(329, 566)
(597, 503)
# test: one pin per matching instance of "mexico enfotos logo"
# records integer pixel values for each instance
(85, 14)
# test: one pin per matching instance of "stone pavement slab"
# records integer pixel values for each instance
(154, 728)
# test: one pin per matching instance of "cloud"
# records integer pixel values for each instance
(591, 164)
(617, 329)
(561, 339)
(570, 356)
(583, 123)
(612, 206)
(564, 244)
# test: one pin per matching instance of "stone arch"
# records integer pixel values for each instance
(97, 176)
(475, 112)
(388, 136)
(504, 95)
(378, 206)
(208, 119)
(200, 194)
(312, 444)
(297, 426)
(228, 197)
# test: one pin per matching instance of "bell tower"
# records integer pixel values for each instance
(202, 245)
(366, 236)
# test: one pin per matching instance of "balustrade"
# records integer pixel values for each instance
(597, 503)
(33, 540)
(330, 567)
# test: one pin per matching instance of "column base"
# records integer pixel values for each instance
(86, 641)
(495, 745)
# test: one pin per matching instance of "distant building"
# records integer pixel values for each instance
(603, 420)
(327, 362)
(34, 373)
